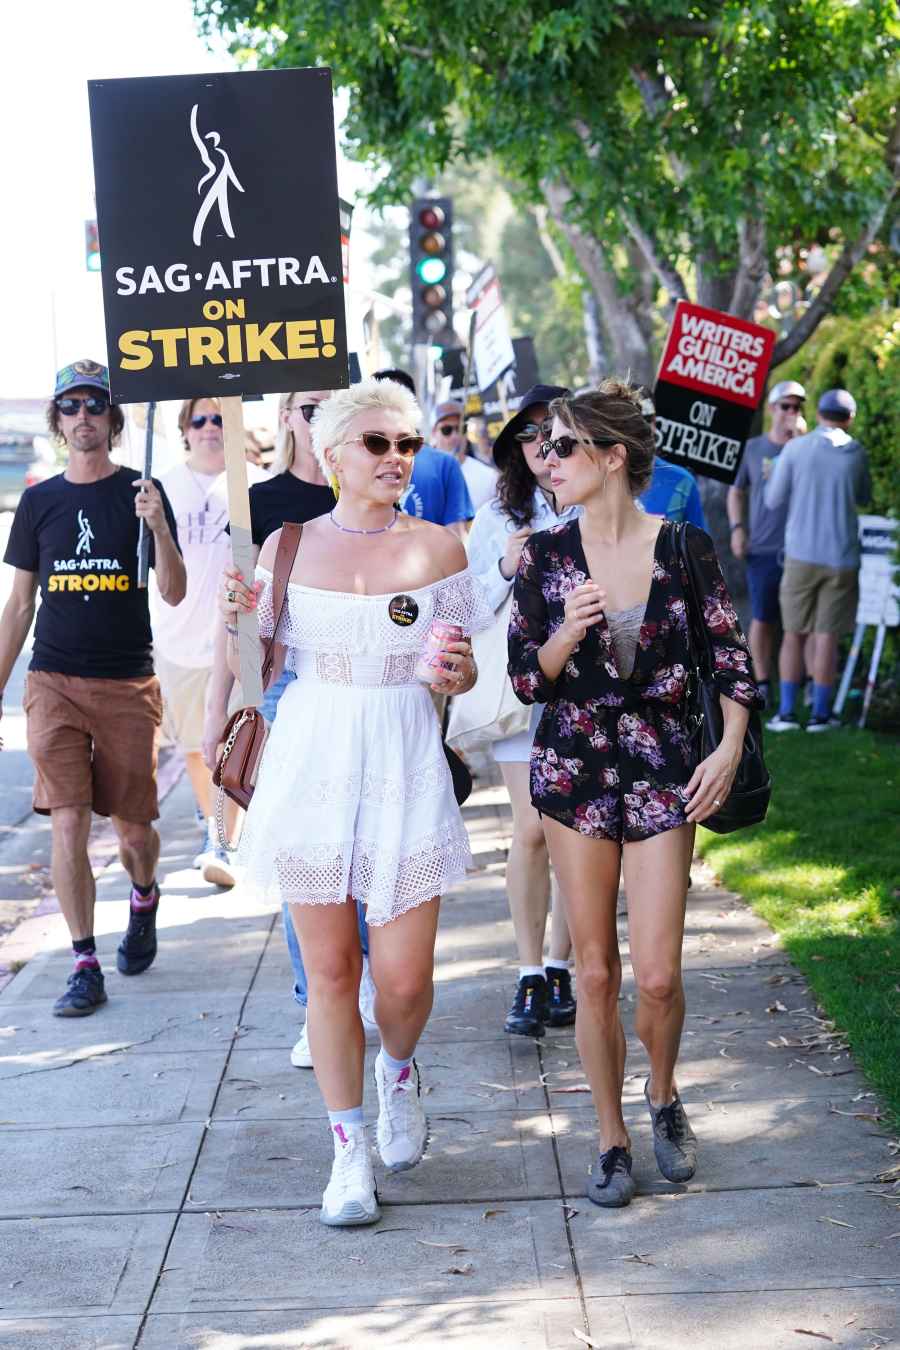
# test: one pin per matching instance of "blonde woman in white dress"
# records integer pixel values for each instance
(354, 798)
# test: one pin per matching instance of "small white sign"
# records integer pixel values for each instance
(879, 593)
(493, 352)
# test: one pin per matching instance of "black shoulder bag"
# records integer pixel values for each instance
(748, 801)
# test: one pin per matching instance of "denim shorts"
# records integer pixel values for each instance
(269, 705)
(763, 580)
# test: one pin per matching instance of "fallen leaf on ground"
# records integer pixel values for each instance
(585, 1340)
(460, 1270)
(639, 1257)
(582, 1087)
(568, 1212)
(801, 1331)
(838, 1223)
(492, 1213)
(776, 1007)
(454, 1247)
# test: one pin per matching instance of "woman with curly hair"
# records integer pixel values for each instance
(524, 503)
(599, 633)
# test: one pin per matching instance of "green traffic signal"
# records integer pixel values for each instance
(431, 270)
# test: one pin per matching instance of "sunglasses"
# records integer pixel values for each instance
(564, 446)
(95, 404)
(449, 429)
(307, 409)
(791, 407)
(529, 432)
(376, 444)
(201, 420)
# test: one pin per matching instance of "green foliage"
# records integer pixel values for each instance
(827, 882)
(862, 355)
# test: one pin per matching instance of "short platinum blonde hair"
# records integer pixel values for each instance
(332, 422)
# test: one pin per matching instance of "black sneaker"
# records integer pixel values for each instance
(137, 949)
(674, 1142)
(610, 1183)
(529, 1011)
(561, 1006)
(831, 723)
(84, 993)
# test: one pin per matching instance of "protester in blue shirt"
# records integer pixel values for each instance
(437, 490)
(673, 491)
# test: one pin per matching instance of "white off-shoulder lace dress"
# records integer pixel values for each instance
(354, 796)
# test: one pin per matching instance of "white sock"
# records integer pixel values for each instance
(530, 970)
(554, 964)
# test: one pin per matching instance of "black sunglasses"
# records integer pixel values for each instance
(563, 446)
(201, 420)
(449, 429)
(307, 409)
(529, 432)
(791, 407)
(95, 404)
(376, 444)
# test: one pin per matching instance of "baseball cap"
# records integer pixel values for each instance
(786, 389)
(449, 409)
(80, 375)
(837, 403)
(537, 395)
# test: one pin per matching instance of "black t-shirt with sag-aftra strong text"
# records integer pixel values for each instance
(81, 540)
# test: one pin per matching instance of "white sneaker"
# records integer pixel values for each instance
(402, 1131)
(219, 869)
(206, 852)
(787, 723)
(301, 1055)
(350, 1196)
(367, 997)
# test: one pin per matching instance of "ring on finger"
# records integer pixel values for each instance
(231, 597)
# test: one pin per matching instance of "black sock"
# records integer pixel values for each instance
(85, 952)
(144, 892)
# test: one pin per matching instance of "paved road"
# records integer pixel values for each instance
(15, 770)
(163, 1164)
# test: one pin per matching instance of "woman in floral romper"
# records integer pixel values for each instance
(598, 632)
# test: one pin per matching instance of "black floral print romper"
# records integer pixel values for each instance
(612, 756)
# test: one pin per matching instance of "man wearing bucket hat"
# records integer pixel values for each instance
(819, 479)
(761, 543)
(92, 700)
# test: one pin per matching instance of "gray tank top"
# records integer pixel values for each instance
(624, 631)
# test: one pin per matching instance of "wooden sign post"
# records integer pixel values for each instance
(242, 550)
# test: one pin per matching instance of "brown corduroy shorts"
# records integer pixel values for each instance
(94, 743)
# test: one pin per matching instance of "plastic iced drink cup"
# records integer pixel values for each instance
(430, 667)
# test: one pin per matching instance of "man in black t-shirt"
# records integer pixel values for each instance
(92, 701)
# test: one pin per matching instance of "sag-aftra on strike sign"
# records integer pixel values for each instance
(217, 209)
(711, 379)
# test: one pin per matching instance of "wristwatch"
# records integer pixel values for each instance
(737, 525)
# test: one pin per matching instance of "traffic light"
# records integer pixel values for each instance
(431, 270)
(91, 246)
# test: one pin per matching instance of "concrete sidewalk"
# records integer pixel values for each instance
(162, 1164)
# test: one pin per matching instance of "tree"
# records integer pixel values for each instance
(674, 143)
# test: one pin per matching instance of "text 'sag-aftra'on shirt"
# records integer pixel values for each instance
(81, 540)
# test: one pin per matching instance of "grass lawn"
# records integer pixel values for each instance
(824, 871)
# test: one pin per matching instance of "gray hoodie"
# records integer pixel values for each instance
(821, 478)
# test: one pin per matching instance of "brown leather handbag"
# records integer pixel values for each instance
(246, 732)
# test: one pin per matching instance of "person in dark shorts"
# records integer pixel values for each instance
(92, 700)
(598, 632)
(761, 542)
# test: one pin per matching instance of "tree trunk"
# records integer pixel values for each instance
(626, 343)
(598, 366)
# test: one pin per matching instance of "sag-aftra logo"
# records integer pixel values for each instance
(85, 573)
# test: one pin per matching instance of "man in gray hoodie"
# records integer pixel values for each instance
(821, 478)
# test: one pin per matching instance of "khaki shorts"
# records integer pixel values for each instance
(184, 702)
(817, 599)
(93, 743)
